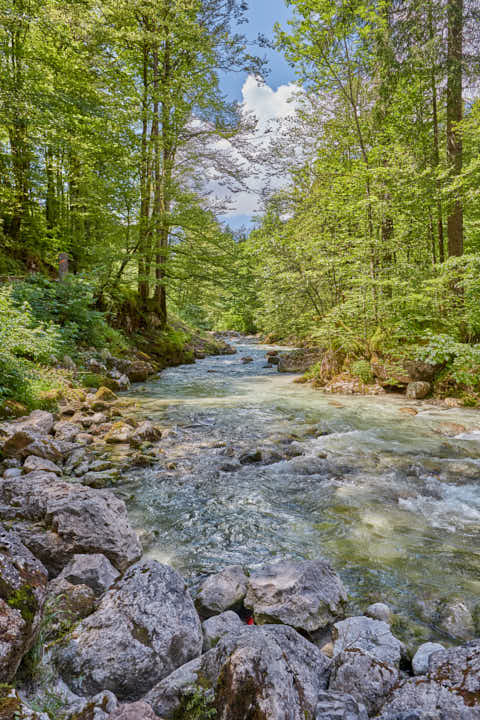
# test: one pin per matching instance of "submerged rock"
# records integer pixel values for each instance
(267, 672)
(143, 630)
(23, 583)
(307, 595)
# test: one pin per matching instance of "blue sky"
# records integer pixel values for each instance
(262, 15)
(267, 102)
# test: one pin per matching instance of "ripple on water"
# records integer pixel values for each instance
(390, 498)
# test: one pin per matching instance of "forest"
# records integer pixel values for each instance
(120, 149)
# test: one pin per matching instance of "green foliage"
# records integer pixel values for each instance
(70, 307)
(362, 369)
(462, 361)
(24, 600)
(196, 706)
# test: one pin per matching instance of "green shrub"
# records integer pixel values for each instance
(362, 370)
(196, 706)
(461, 360)
(69, 306)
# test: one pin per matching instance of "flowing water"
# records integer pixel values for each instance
(392, 499)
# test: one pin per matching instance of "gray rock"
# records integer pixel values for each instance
(379, 611)
(218, 626)
(99, 707)
(223, 591)
(95, 571)
(68, 363)
(33, 463)
(68, 604)
(259, 672)
(338, 706)
(133, 711)
(419, 370)
(422, 657)
(101, 479)
(26, 442)
(139, 371)
(39, 422)
(368, 680)
(12, 472)
(423, 699)
(65, 430)
(371, 636)
(459, 669)
(298, 361)
(145, 432)
(456, 620)
(307, 595)
(23, 583)
(97, 367)
(57, 520)
(143, 630)
(123, 383)
(418, 390)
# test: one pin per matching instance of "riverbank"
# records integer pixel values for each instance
(240, 467)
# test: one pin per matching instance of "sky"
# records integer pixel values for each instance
(268, 101)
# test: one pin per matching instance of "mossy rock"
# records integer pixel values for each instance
(25, 601)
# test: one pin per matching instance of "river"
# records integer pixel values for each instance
(392, 499)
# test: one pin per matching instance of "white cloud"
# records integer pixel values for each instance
(268, 104)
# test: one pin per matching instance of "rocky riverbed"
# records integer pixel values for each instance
(262, 624)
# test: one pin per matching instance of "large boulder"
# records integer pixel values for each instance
(145, 432)
(366, 660)
(219, 626)
(28, 442)
(33, 464)
(225, 590)
(419, 370)
(95, 571)
(372, 636)
(133, 711)
(57, 520)
(139, 371)
(65, 430)
(459, 669)
(23, 582)
(418, 390)
(307, 595)
(143, 630)
(338, 706)
(421, 698)
(39, 422)
(257, 672)
(299, 361)
(368, 680)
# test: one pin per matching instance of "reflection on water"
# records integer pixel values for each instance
(390, 498)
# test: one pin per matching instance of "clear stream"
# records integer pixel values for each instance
(392, 499)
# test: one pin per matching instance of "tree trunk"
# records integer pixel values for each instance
(454, 116)
(145, 189)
